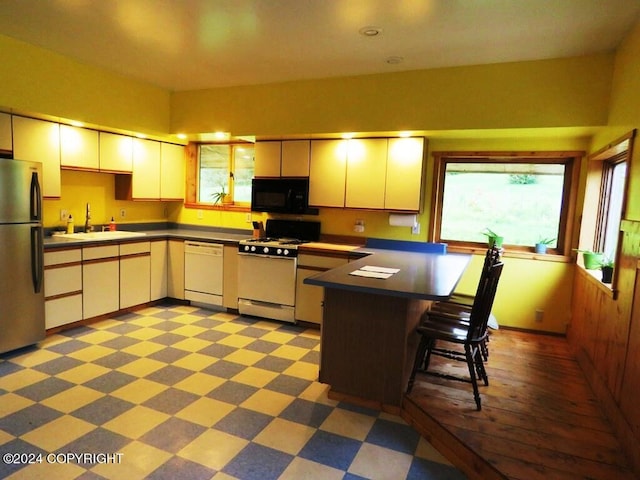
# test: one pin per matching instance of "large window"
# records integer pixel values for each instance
(613, 184)
(524, 199)
(224, 169)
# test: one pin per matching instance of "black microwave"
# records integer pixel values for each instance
(280, 195)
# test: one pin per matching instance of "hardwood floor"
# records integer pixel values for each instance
(539, 418)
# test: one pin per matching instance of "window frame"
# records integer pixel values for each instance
(193, 175)
(571, 160)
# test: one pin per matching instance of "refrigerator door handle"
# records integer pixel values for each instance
(37, 258)
(36, 198)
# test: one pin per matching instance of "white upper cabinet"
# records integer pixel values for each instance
(268, 155)
(327, 173)
(172, 171)
(404, 174)
(295, 158)
(116, 153)
(366, 173)
(5, 132)
(39, 141)
(145, 184)
(79, 148)
(289, 158)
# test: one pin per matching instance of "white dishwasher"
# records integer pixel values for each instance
(203, 272)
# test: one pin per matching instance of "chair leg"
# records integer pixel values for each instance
(472, 373)
(423, 346)
(482, 372)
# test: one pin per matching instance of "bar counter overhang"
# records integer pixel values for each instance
(368, 338)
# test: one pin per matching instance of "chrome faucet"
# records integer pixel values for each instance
(87, 223)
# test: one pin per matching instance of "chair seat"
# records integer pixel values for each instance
(446, 327)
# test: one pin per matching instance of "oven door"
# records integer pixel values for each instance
(267, 287)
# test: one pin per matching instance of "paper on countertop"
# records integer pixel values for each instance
(375, 272)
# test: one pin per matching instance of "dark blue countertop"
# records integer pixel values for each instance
(424, 276)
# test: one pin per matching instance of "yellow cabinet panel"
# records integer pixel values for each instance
(5, 132)
(366, 172)
(404, 174)
(116, 152)
(172, 171)
(146, 170)
(327, 173)
(39, 141)
(295, 158)
(268, 156)
(79, 148)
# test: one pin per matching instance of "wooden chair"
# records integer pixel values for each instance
(460, 304)
(449, 327)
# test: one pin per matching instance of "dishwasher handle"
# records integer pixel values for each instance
(202, 248)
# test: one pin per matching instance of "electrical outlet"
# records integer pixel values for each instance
(539, 315)
(123, 213)
(248, 219)
(358, 226)
(64, 215)
(415, 230)
(200, 214)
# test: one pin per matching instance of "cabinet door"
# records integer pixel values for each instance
(159, 269)
(135, 280)
(175, 277)
(327, 173)
(79, 148)
(146, 170)
(116, 153)
(172, 171)
(5, 132)
(230, 277)
(366, 171)
(268, 155)
(295, 158)
(100, 287)
(39, 141)
(404, 174)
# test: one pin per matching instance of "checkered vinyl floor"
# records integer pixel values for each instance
(184, 392)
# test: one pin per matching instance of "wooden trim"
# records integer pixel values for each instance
(63, 265)
(135, 255)
(313, 267)
(100, 260)
(236, 207)
(614, 148)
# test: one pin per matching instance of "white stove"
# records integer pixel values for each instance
(274, 247)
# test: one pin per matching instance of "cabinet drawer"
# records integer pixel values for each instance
(102, 251)
(134, 248)
(64, 310)
(62, 280)
(58, 257)
(327, 261)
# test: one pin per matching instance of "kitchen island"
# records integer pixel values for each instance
(368, 338)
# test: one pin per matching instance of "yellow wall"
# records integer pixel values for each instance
(98, 189)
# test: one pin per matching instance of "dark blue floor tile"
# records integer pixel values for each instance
(177, 467)
(27, 419)
(45, 388)
(211, 335)
(10, 465)
(223, 369)
(173, 435)
(97, 441)
(110, 381)
(274, 364)
(167, 338)
(58, 365)
(7, 368)
(208, 322)
(243, 423)
(312, 357)
(422, 469)
(217, 350)
(115, 360)
(166, 315)
(358, 409)
(120, 343)
(169, 375)
(257, 462)
(262, 346)
(70, 346)
(232, 392)
(102, 410)
(253, 332)
(331, 450)
(304, 342)
(168, 355)
(288, 385)
(393, 435)
(171, 401)
(306, 412)
(123, 328)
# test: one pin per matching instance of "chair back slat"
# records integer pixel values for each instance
(483, 302)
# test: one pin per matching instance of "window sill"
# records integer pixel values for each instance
(595, 277)
(223, 207)
(544, 257)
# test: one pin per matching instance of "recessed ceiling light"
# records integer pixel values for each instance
(394, 60)
(370, 31)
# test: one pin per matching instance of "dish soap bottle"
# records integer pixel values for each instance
(70, 224)
(112, 225)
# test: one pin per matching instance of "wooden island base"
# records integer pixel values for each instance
(368, 344)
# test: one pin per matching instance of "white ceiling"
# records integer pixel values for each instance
(196, 44)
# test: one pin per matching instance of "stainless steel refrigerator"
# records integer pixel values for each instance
(21, 255)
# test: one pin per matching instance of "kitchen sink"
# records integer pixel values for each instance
(107, 235)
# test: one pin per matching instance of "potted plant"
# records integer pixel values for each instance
(607, 270)
(493, 238)
(592, 260)
(543, 243)
(220, 196)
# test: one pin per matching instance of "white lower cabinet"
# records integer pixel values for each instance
(135, 274)
(100, 280)
(159, 269)
(63, 287)
(309, 298)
